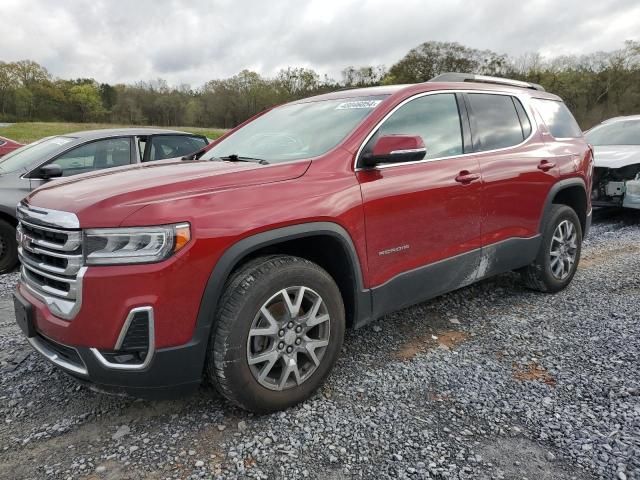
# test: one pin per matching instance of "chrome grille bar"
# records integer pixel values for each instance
(51, 256)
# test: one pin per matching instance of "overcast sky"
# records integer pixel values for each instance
(194, 41)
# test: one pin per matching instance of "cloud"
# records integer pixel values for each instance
(123, 41)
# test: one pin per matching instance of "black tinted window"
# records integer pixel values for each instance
(172, 146)
(497, 122)
(112, 152)
(434, 117)
(558, 118)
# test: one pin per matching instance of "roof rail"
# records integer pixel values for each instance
(471, 77)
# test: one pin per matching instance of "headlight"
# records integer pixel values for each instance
(117, 246)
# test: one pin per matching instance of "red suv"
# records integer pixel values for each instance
(243, 264)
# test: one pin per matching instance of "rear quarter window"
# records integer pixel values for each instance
(558, 118)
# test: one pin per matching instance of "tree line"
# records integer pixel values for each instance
(594, 86)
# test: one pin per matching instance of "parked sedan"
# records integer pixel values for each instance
(7, 146)
(32, 165)
(616, 177)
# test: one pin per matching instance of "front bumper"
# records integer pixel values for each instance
(170, 371)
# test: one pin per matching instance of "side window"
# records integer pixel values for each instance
(434, 117)
(2, 142)
(112, 152)
(173, 146)
(496, 120)
(558, 118)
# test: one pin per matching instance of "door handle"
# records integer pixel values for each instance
(546, 165)
(466, 177)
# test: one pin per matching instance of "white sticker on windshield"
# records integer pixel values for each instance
(358, 104)
(60, 140)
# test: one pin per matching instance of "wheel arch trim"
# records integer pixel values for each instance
(244, 247)
(555, 190)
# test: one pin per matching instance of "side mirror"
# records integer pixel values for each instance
(395, 149)
(50, 171)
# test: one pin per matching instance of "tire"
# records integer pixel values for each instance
(8, 247)
(543, 274)
(262, 285)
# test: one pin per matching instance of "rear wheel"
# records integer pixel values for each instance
(8, 247)
(278, 333)
(559, 253)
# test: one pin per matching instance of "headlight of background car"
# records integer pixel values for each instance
(118, 246)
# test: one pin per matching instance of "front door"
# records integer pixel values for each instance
(424, 213)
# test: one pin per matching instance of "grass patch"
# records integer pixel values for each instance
(27, 132)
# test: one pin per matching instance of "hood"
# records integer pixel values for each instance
(113, 194)
(616, 156)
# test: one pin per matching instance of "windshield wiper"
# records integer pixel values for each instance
(237, 158)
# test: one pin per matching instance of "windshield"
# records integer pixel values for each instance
(624, 132)
(296, 131)
(24, 157)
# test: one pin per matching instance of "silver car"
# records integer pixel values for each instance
(33, 165)
(616, 178)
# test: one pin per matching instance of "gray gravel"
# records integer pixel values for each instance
(492, 381)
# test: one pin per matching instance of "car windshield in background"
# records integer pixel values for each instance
(23, 157)
(625, 132)
(296, 131)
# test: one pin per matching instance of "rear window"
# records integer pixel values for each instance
(497, 121)
(558, 118)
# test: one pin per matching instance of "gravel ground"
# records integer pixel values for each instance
(489, 382)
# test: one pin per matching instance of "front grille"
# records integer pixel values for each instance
(51, 258)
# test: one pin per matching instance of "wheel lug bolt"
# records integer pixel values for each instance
(281, 345)
(298, 341)
(298, 329)
(281, 333)
(289, 349)
(290, 325)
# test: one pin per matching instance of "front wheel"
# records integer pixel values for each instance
(8, 247)
(559, 253)
(278, 333)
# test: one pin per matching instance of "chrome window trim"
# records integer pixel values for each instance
(54, 358)
(524, 100)
(409, 150)
(152, 344)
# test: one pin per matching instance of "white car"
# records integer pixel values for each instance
(616, 146)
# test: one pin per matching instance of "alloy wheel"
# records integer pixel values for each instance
(564, 249)
(288, 338)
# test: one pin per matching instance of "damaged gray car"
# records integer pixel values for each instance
(616, 177)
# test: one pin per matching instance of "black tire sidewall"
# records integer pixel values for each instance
(559, 214)
(246, 388)
(9, 256)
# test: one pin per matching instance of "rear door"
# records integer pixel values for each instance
(418, 213)
(516, 170)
